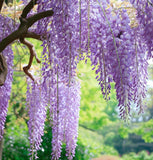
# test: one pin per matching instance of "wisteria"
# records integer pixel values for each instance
(144, 15)
(65, 112)
(121, 47)
(36, 105)
(71, 31)
(5, 90)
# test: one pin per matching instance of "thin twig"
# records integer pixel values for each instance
(22, 32)
(32, 55)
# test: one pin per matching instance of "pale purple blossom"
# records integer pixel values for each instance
(65, 118)
(36, 105)
(5, 90)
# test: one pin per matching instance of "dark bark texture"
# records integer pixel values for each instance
(21, 33)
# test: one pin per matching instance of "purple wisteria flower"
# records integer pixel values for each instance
(115, 53)
(5, 90)
(145, 16)
(65, 114)
(36, 104)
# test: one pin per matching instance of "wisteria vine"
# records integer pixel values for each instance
(5, 90)
(71, 31)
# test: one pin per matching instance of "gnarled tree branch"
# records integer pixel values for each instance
(28, 8)
(32, 35)
(23, 28)
(32, 55)
(22, 32)
(3, 69)
(1, 4)
(31, 20)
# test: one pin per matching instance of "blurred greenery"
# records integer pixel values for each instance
(143, 155)
(146, 130)
(95, 112)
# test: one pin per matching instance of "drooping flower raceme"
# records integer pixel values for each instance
(140, 73)
(120, 46)
(145, 16)
(5, 90)
(115, 56)
(65, 114)
(36, 104)
(99, 54)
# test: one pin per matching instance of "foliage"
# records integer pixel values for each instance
(94, 143)
(16, 144)
(124, 138)
(95, 112)
(146, 130)
(143, 155)
(123, 132)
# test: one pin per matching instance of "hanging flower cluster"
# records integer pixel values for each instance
(115, 56)
(144, 15)
(64, 100)
(36, 105)
(60, 58)
(65, 114)
(139, 72)
(5, 90)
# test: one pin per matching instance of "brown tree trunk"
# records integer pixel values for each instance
(1, 148)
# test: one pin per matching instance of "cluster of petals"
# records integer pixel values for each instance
(65, 113)
(145, 16)
(5, 90)
(36, 105)
(118, 54)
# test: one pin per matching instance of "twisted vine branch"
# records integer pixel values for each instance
(32, 55)
(1, 4)
(3, 69)
(22, 32)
